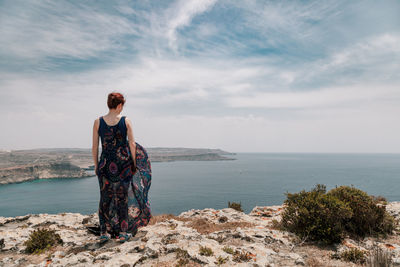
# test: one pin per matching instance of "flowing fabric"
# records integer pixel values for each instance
(124, 205)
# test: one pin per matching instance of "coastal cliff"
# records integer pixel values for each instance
(206, 237)
(50, 170)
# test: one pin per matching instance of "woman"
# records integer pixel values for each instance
(124, 174)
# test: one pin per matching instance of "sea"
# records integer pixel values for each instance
(252, 179)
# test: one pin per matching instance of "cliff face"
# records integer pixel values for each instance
(233, 239)
(40, 171)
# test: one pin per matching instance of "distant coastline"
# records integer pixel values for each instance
(18, 166)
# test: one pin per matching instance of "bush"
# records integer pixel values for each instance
(315, 215)
(182, 262)
(221, 260)
(380, 199)
(183, 257)
(42, 239)
(182, 254)
(228, 250)
(235, 206)
(327, 217)
(368, 218)
(353, 255)
(206, 251)
(241, 256)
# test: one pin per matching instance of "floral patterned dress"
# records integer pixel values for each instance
(124, 204)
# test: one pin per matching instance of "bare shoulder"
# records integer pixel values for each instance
(128, 122)
(96, 123)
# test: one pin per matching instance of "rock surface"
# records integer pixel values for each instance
(233, 239)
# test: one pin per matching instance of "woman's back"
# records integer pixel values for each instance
(123, 171)
(115, 155)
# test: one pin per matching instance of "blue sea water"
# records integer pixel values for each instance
(252, 179)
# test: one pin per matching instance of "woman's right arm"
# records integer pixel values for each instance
(95, 144)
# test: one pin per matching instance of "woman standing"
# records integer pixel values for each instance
(124, 174)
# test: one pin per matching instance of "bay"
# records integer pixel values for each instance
(252, 179)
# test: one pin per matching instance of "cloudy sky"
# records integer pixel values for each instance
(243, 76)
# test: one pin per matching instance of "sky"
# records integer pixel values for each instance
(242, 76)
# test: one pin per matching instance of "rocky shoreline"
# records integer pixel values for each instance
(233, 238)
(19, 174)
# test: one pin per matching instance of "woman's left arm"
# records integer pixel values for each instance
(131, 139)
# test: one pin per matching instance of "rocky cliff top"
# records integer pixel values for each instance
(233, 238)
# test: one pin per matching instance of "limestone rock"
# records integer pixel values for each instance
(228, 237)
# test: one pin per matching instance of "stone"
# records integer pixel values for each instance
(223, 219)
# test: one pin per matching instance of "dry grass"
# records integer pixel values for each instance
(176, 263)
(379, 258)
(188, 264)
(205, 227)
(183, 259)
(318, 256)
(165, 217)
(314, 262)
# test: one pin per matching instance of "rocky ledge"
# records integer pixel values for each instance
(205, 237)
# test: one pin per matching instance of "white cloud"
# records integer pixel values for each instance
(182, 13)
(368, 51)
(270, 76)
(321, 98)
(41, 29)
(366, 129)
(280, 22)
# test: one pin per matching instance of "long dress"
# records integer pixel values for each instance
(124, 205)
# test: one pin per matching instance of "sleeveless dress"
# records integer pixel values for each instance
(124, 204)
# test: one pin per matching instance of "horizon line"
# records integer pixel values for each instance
(244, 152)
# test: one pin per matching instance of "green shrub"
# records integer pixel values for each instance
(235, 205)
(221, 260)
(380, 199)
(241, 256)
(182, 254)
(327, 217)
(206, 251)
(182, 262)
(368, 217)
(315, 215)
(183, 257)
(228, 250)
(353, 255)
(42, 239)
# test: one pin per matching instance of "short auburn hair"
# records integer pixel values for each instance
(114, 99)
